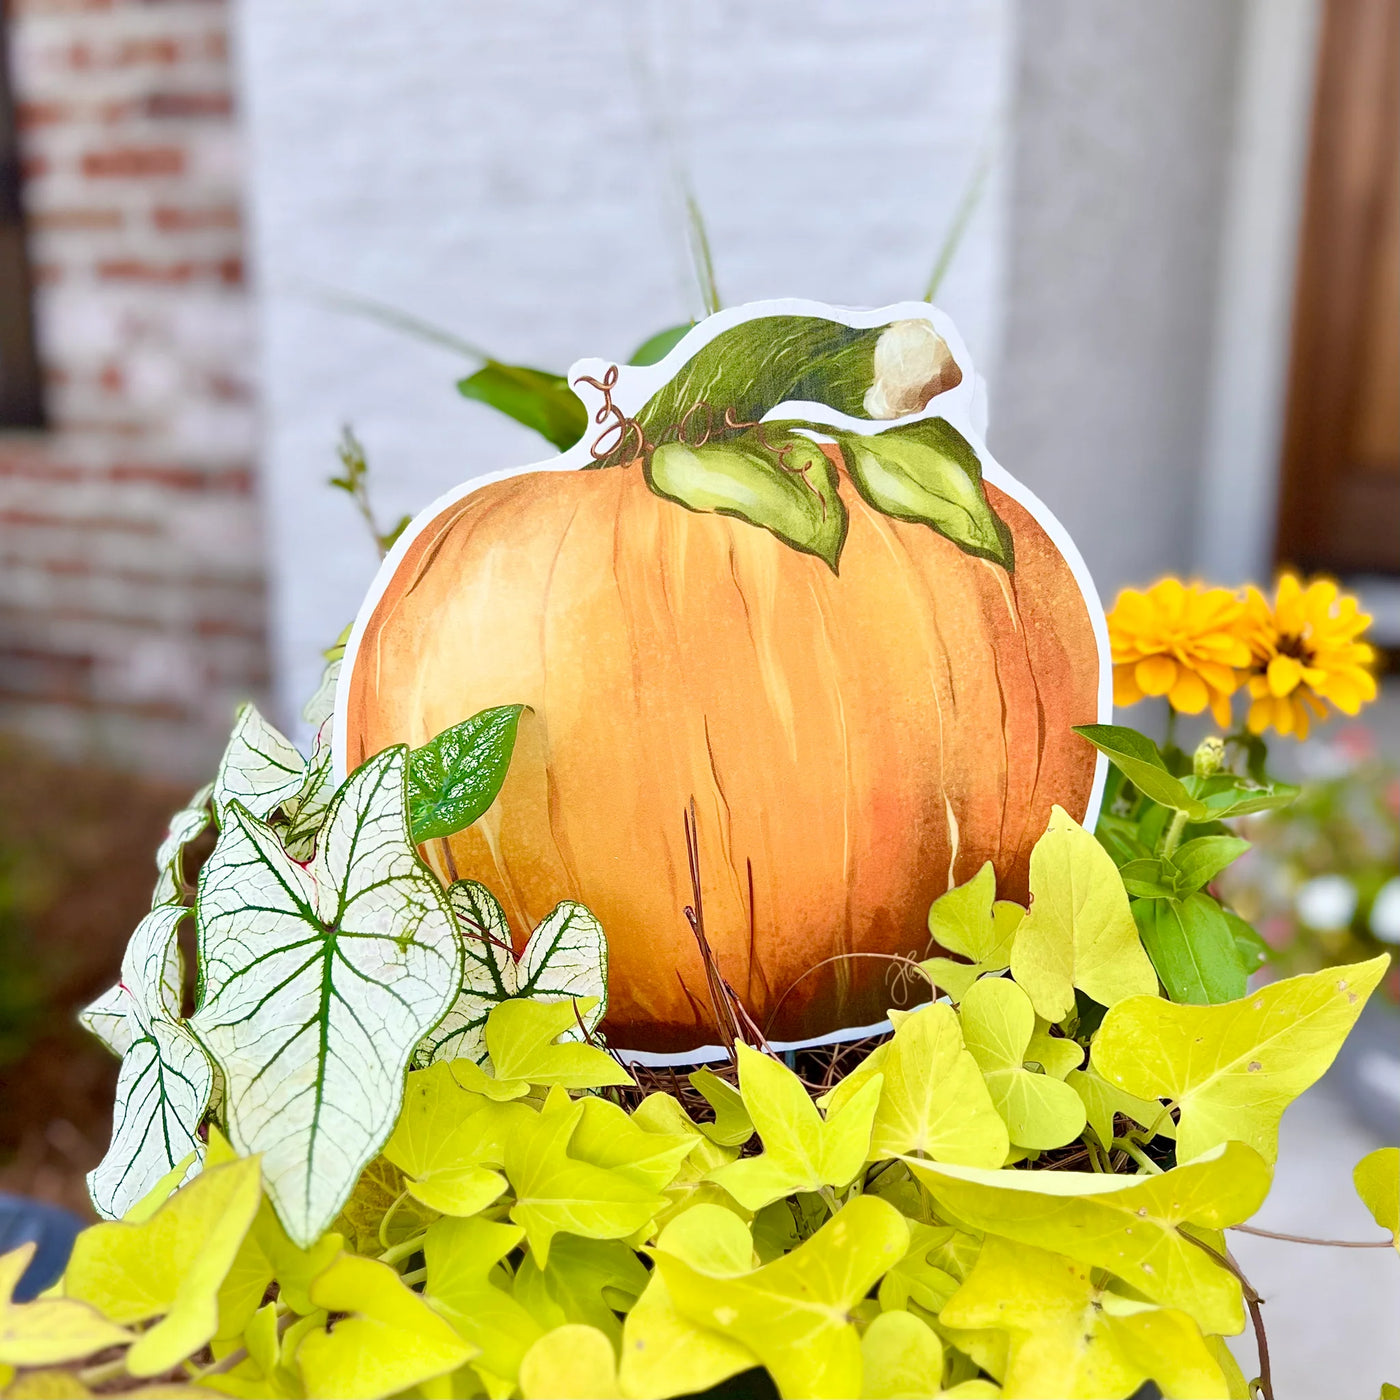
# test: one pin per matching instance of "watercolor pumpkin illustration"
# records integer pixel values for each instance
(854, 659)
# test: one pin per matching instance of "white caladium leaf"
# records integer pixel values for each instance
(321, 706)
(261, 768)
(566, 957)
(106, 1018)
(185, 825)
(319, 982)
(166, 1079)
(307, 810)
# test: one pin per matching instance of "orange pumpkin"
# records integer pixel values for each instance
(854, 745)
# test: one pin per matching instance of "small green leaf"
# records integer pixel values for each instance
(732, 1126)
(656, 347)
(534, 397)
(572, 1362)
(1225, 795)
(928, 473)
(588, 1281)
(1198, 862)
(1192, 948)
(1137, 758)
(1151, 877)
(455, 777)
(1377, 1180)
(971, 921)
(783, 484)
(1254, 952)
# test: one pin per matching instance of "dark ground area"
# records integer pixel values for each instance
(77, 867)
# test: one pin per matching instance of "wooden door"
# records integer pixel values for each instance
(1340, 502)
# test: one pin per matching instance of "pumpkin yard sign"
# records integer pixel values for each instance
(796, 657)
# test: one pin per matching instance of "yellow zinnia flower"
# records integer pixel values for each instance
(1304, 650)
(1180, 640)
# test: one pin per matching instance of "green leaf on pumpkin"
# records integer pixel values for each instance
(455, 776)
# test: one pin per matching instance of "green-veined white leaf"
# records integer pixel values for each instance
(165, 1080)
(566, 957)
(321, 706)
(307, 810)
(261, 768)
(455, 776)
(185, 825)
(318, 983)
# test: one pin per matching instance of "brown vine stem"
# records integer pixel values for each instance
(1310, 1239)
(725, 1020)
(1255, 1305)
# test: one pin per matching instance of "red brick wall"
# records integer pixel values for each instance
(131, 595)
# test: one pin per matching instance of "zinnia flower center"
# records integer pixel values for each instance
(1297, 647)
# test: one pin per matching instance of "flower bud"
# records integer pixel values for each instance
(1209, 757)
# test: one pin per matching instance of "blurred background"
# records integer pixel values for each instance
(1169, 233)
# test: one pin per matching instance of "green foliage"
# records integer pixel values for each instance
(455, 777)
(496, 1209)
(534, 397)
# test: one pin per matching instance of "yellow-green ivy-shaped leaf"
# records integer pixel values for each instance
(48, 1331)
(573, 1362)
(801, 1151)
(732, 1126)
(318, 983)
(1079, 931)
(934, 1101)
(388, 1340)
(663, 1352)
(1129, 1225)
(1103, 1100)
(565, 959)
(466, 1284)
(586, 1281)
(971, 921)
(608, 1137)
(555, 1191)
(917, 1278)
(446, 1140)
(1056, 1055)
(794, 1314)
(169, 1267)
(997, 1025)
(165, 1082)
(1233, 1068)
(1071, 1337)
(901, 1357)
(1377, 1180)
(523, 1041)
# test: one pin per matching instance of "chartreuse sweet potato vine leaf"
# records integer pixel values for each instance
(934, 1101)
(447, 1139)
(1102, 1101)
(971, 921)
(1233, 1068)
(565, 959)
(468, 1287)
(1071, 1336)
(1079, 931)
(998, 1024)
(522, 1040)
(1129, 1225)
(794, 1314)
(48, 1331)
(556, 1190)
(664, 1352)
(732, 1126)
(801, 1151)
(1377, 1180)
(386, 1339)
(572, 1362)
(318, 982)
(585, 1281)
(169, 1267)
(166, 1079)
(454, 777)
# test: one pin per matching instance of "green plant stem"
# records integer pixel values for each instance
(389, 1215)
(1138, 1155)
(414, 1276)
(1170, 740)
(107, 1371)
(402, 1251)
(1172, 839)
(1310, 1239)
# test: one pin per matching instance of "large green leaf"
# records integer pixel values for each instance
(318, 982)
(1137, 758)
(1192, 946)
(928, 473)
(534, 397)
(566, 959)
(165, 1081)
(795, 1313)
(1234, 1068)
(454, 777)
(783, 483)
(656, 347)
(1129, 1225)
